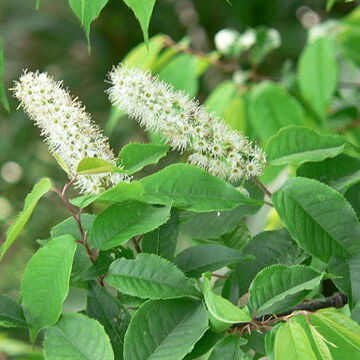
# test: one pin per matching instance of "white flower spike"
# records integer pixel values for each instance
(69, 131)
(185, 124)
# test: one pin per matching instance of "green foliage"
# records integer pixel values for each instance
(228, 349)
(320, 212)
(177, 263)
(150, 277)
(162, 241)
(318, 73)
(120, 222)
(272, 102)
(197, 191)
(267, 248)
(142, 11)
(120, 192)
(133, 157)
(3, 97)
(227, 102)
(165, 329)
(46, 283)
(221, 309)
(339, 330)
(95, 166)
(181, 73)
(11, 313)
(291, 342)
(105, 308)
(76, 336)
(39, 190)
(198, 259)
(297, 145)
(87, 11)
(279, 287)
(340, 172)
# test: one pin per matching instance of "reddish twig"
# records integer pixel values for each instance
(263, 188)
(168, 42)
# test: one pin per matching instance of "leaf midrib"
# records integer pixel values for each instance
(317, 223)
(150, 281)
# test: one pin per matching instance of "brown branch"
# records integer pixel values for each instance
(76, 214)
(135, 241)
(351, 125)
(337, 300)
(262, 187)
(228, 67)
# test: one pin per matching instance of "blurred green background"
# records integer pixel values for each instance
(52, 40)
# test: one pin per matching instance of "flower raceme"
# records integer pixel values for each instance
(185, 124)
(69, 131)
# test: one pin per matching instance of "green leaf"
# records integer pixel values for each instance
(149, 277)
(145, 55)
(339, 330)
(165, 329)
(103, 262)
(268, 248)
(31, 200)
(349, 36)
(221, 97)
(191, 188)
(105, 308)
(69, 226)
(3, 98)
(238, 238)
(348, 271)
(330, 4)
(142, 10)
(227, 102)
(120, 192)
(318, 218)
(292, 343)
(195, 260)
(353, 196)
(96, 166)
(37, 4)
(87, 11)
(11, 313)
(162, 241)
(320, 342)
(340, 172)
(318, 72)
(279, 287)
(181, 74)
(221, 309)
(297, 145)
(120, 222)
(269, 341)
(204, 345)
(77, 337)
(272, 108)
(133, 157)
(229, 348)
(213, 225)
(45, 284)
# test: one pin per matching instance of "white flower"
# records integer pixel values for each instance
(70, 133)
(225, 40)
(247, 39)
(185, 124)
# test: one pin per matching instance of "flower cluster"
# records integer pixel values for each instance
(69, 130)
(185, 124)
